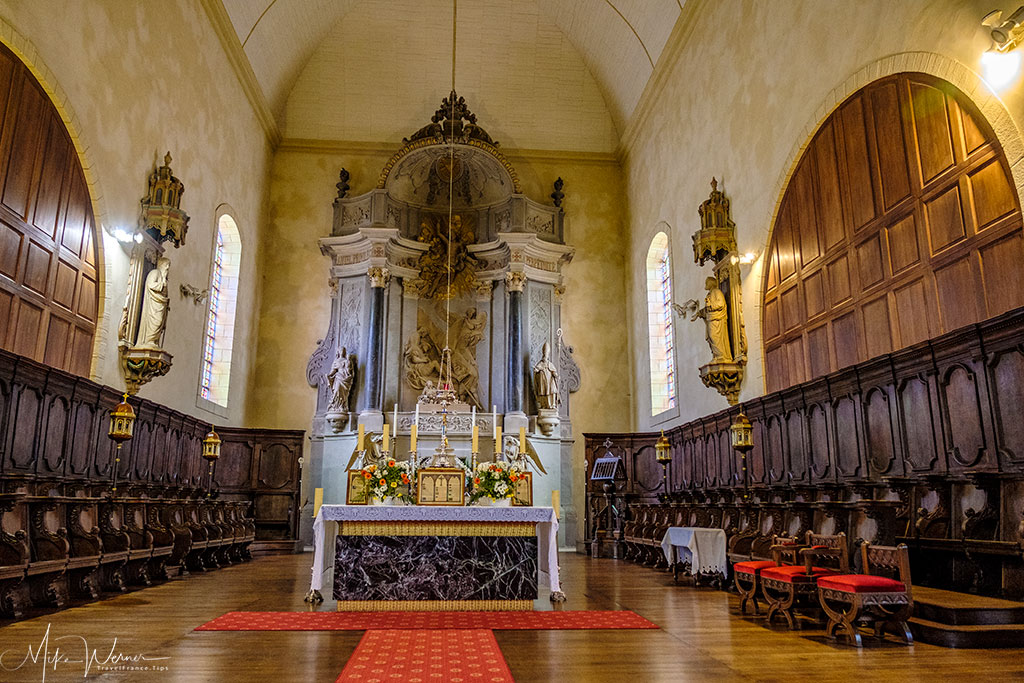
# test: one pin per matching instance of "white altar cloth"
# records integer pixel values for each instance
(543, 517)
(705, 549)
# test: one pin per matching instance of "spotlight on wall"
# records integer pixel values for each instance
(1003, 31)
(744, 259)
(1000, 63)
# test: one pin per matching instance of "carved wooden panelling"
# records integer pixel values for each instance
(899, 224)
(1008, 396)
(48, 269)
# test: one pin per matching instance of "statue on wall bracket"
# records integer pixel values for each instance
(722, 311)
(144, 316)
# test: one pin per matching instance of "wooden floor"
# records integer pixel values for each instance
(701, 637)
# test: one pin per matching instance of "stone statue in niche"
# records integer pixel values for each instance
(340, 378)
(545, 380)
(155, 303)
(716, 320)
(546, 391)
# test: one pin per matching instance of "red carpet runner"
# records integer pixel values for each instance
(362, 621)
(421, 656)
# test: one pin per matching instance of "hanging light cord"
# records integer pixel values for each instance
(451, 181)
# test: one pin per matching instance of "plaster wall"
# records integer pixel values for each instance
(132, 81)
(742, 110)
(295, 307)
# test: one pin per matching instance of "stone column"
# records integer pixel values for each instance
(372, 416)
(514, 283)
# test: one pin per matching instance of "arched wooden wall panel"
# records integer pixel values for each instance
(48, 265)
(900, 223)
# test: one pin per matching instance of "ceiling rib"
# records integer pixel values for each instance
(258, 20)
(637, 35)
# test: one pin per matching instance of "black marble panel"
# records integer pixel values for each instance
(435, 568)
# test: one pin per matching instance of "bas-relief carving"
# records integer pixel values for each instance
(568, 372)
(444, 279)
(422, 355)
(540, 318)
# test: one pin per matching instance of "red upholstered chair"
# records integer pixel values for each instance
(746, 575)
(870, 597)
(785, 587)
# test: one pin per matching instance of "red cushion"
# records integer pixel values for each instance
(862, 583)
(753, 567)
(794, 573)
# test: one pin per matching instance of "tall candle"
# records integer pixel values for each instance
(494, 409)
(497, 441)
(476, 439)
(416, 420)
(361, 438)
(387, 439)
(522, 439)
(394, 418)
(412, 437)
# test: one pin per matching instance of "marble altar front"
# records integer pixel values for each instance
(421, 557)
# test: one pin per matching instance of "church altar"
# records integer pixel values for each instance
(448, 558)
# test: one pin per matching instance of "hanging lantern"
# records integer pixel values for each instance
(211, 446)
(122, 421)
(663, 450)
(742, 433)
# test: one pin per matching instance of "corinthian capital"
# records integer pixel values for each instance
(379, 276)
(514, 282)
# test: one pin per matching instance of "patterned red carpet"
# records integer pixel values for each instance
(362, 621)
(427, 656)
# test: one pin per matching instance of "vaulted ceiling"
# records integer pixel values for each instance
(554, 74)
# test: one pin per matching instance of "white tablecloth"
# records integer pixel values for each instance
(704, 548)
(543, 517)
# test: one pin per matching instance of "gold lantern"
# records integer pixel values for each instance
(122, 421)
(742, 433)
(663, 454)
(122, 424)
(211, 451)
(211, 446)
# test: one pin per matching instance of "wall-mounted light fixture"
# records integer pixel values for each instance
(744, 259)
(1001, 62)
(125, 236)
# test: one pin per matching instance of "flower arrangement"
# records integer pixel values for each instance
(495, 480)
(390, 480)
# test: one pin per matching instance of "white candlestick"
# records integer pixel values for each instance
(394, 420)
(416, 420)
(494, 409)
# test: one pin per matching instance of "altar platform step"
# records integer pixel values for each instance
(276, 547)
(962, 620)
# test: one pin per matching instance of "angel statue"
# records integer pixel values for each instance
(716, 320)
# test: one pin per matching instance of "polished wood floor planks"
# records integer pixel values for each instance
(701, 637)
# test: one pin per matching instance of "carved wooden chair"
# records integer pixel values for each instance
(870, 597)
(785, 587)
(747, 575)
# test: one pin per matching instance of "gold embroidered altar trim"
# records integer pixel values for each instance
(435, 605)
(347, 528)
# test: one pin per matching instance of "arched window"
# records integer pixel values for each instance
(220, 320)
(659, 324)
